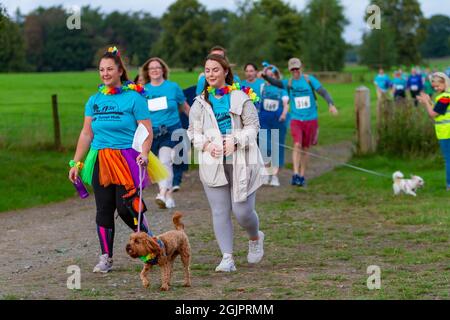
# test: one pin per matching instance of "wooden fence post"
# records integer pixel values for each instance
(363, 123)
(56, 125)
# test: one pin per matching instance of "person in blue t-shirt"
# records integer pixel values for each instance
(273, 113)
(252, 81)
(415, 85)
(165, 99)
(304, 125)
(382, 83)
(398, 86)
(111, 118)
(221, 51)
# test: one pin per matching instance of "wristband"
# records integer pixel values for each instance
(78, 165)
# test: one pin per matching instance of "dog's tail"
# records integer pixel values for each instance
(397, 175)
(177, 220)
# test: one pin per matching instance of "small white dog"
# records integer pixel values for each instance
(407, 186)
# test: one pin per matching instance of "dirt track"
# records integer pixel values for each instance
(38, 244)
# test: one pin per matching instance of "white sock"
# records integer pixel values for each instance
(227, 256)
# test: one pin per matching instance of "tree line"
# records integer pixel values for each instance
(270, 30)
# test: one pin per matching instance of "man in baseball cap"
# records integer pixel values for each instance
(294, 63)
(302, 90)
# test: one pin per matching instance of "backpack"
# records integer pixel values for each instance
(309, 83)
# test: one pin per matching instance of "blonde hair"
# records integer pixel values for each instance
(163, 64)
(442, 78)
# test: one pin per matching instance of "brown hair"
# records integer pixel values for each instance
(250, 64)
(219, 48)
(163, 64)
(225, 65)
(276, 72)
(118, 62)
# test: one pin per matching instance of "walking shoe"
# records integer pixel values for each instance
(302, 182)
(256, 249)
(170, 203)
(266, 180)
(274, 182)
(161, 201)
(295, 180)
(175, 188)
(227, 264)
(104, 265)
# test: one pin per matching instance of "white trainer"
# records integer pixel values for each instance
(256, 249)
(266, 180)
(274, 182)
(170, 203)
(161, 201)
(104, 265)
(227, 264)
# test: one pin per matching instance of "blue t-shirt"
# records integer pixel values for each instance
(255, 85)
(415, 82)
(302, 103)
(164, 109)
(382, 81)
(221, 109)
(271, 101)
(399, 84)
(201, 83)
(114, 118)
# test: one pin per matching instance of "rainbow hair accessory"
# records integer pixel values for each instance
(235, 86)
(114, 51)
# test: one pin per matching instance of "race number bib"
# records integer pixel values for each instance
(399, 87)
(303, 102)
(414, 87)
(271, 105)
(157, 104)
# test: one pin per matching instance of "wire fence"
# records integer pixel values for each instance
(26, 125)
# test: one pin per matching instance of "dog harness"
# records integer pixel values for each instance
(151, 258)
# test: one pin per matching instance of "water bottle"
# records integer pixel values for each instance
(82, 192)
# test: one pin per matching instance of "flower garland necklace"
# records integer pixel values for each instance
(235, 86)
(126, 86)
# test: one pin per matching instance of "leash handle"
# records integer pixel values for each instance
(141, 178)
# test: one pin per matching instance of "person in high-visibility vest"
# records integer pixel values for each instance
(440, 112)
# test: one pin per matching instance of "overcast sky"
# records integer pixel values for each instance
(354, 9)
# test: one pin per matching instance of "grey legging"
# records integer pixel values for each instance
(221, 203)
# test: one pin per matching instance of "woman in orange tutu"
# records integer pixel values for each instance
(112, 116)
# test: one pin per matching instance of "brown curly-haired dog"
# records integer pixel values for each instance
(175, 243)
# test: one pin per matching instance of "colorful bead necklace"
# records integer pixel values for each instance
(235, 86)
(126, 86)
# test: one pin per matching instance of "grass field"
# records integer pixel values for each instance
(325, 228)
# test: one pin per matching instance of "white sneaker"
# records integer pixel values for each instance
(161, 201)
(227, 264)
(256, 249)
(104, 265)
(170, 203)
(175, 188)
(266, 180)
(274, 182)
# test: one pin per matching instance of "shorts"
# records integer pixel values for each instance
(305, 133)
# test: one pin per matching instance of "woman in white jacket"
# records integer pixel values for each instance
(223, 125)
